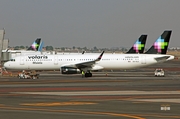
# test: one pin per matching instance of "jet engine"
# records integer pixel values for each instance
(69, 70)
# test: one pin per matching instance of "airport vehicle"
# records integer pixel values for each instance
(159, 72)
(71, 64)
(28, 75)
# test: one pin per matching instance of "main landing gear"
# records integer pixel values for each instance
(88, 74)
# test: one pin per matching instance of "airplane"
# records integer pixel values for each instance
(73, 64)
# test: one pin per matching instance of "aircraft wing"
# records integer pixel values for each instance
(160, 59)
(87, 64)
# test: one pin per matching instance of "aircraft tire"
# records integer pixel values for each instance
(88, 74)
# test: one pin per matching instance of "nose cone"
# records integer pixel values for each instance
(7, 65)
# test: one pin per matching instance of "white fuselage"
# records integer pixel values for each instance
(108, 61)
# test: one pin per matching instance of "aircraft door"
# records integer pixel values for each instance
(22, 60)
(143, 59)
(55, 60)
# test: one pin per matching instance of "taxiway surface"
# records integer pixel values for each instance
(107, 95)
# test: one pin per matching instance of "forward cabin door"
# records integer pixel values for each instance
(22, 60)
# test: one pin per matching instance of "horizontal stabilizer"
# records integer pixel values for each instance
(161, 59)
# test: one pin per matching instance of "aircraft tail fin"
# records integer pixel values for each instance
(139, 45)
(161, 44)
(36, 45)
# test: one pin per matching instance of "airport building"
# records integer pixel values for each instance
(2, 32)
(4, 43)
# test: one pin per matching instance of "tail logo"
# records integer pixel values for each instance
(138, 46)
(34, 45)
(160, 44)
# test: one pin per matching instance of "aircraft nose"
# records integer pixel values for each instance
(6, 65)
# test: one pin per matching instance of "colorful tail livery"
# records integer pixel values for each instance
(139, 45)
(37, 45)
(161, 44)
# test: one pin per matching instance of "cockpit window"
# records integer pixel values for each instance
(12, 60)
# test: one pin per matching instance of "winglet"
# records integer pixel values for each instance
(83, 51)
(100, 56)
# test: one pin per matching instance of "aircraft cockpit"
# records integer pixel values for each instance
(12, 60)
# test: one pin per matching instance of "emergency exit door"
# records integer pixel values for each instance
(143, 59)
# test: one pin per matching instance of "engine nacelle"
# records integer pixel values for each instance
(69, 70)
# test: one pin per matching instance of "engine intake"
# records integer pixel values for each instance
(69, 70)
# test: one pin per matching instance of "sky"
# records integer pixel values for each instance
(89, 23)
